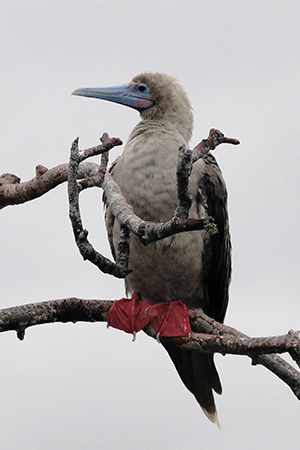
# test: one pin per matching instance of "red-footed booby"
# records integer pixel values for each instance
(193, 266)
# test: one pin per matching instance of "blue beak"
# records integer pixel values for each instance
(134, 95)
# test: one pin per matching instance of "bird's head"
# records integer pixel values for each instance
(155, 95)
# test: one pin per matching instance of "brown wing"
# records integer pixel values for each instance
(218, 253)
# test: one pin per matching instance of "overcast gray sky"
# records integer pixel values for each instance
(83, 386)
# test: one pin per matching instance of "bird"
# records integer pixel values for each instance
(194, 266)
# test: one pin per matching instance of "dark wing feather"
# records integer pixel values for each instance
(218, 253)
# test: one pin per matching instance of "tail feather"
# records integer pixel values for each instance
(200, 376)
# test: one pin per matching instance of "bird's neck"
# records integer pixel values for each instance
(183, 123)
(163, 132)
(172, 122)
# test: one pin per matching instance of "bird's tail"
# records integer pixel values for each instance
(200, 376)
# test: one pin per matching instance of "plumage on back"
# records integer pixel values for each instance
(191, 266)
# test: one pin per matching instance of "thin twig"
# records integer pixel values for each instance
(86, 249)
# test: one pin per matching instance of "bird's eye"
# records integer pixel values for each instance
(142, 88)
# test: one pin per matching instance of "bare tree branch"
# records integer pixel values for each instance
(274, 363)
(186, 159)
(85, 247)
(216, 338)
(72, 309)
(13, 192)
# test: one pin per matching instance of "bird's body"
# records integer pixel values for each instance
(148, 182)
(193, 266)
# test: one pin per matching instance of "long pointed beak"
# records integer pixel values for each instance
(129, 94)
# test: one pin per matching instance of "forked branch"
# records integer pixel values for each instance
(13, 192)
(119, 270)
(218, 338)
